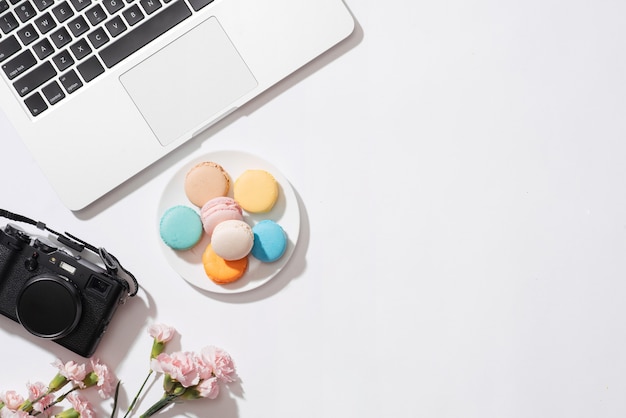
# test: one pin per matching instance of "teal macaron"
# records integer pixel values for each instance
(270, 241)
(180, 227)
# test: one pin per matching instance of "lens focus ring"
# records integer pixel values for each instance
(49, 306)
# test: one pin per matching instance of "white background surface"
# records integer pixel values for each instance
(460, 166)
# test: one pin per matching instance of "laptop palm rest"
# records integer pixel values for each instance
(200, 75)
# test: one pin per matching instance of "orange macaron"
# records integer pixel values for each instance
(222, 271)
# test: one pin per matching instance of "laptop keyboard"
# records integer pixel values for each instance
(49, 49)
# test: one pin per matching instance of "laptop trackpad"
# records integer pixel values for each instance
(192, 80)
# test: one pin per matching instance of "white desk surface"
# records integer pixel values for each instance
(461, 170)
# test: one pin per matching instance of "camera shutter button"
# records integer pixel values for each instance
(31, 262)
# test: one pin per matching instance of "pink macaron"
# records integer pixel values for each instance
(218, 210)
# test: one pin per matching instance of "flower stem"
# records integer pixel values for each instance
(160, 404)
(132, 404)
(61, 398)
(117, 392)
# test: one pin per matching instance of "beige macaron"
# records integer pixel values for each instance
(205, 181)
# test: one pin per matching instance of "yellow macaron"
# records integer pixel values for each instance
(256, 191)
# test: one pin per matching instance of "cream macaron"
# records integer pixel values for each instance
(232, 239)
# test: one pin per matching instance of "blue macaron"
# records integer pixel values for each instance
(270, 241)
(180, 227)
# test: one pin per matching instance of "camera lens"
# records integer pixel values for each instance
(49, 306)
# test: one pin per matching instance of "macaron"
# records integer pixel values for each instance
(232, 239)
(222, 271)
(204, 181)
(217, 210)
(270, 241)
(256, 191)
(180, 227)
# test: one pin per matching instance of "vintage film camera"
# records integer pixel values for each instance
(54, 291)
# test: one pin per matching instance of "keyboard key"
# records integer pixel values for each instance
(70, 81)
(90, 69)
(133, 15)
(115, 26)
(80, 4)
(63, 12)
(8, 47)
(19, 64)
(78, 26)
(80, 49)
(113, 6)
(43, 4)
(95, 15)
(199, 4)
(43, 48)
(61, 37)
(53, 92)
(4, 6)
(45, 23)
(27, 34)
(34, 79)
(63, 60)
(144, 33)
(35, 104)
(98, 38)
(14, 1)
(8, 22)
(150, 6)
(25, 11)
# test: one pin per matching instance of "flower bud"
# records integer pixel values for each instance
(179, 390)
(68, 413)
(168, 383)
(57, 383)
(27, 405)
(90, 380)
(191, 394)
(157, 348)
(172, 386)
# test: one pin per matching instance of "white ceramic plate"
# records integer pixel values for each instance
(285, 212)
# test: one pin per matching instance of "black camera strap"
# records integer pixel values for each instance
(111, 263)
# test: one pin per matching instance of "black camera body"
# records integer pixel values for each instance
(55, 294)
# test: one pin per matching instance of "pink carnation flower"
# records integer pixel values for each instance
(209, 388)
(11, 399)
(8, 413)
(221, 363)
(81, 405)
(180, 366)
(205, 370)
(106, 380)
(161, 333)
(38, 390)
(72, 371)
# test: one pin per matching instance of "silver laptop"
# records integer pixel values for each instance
(99, 90)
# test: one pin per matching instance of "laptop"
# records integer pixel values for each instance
(100, 89)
